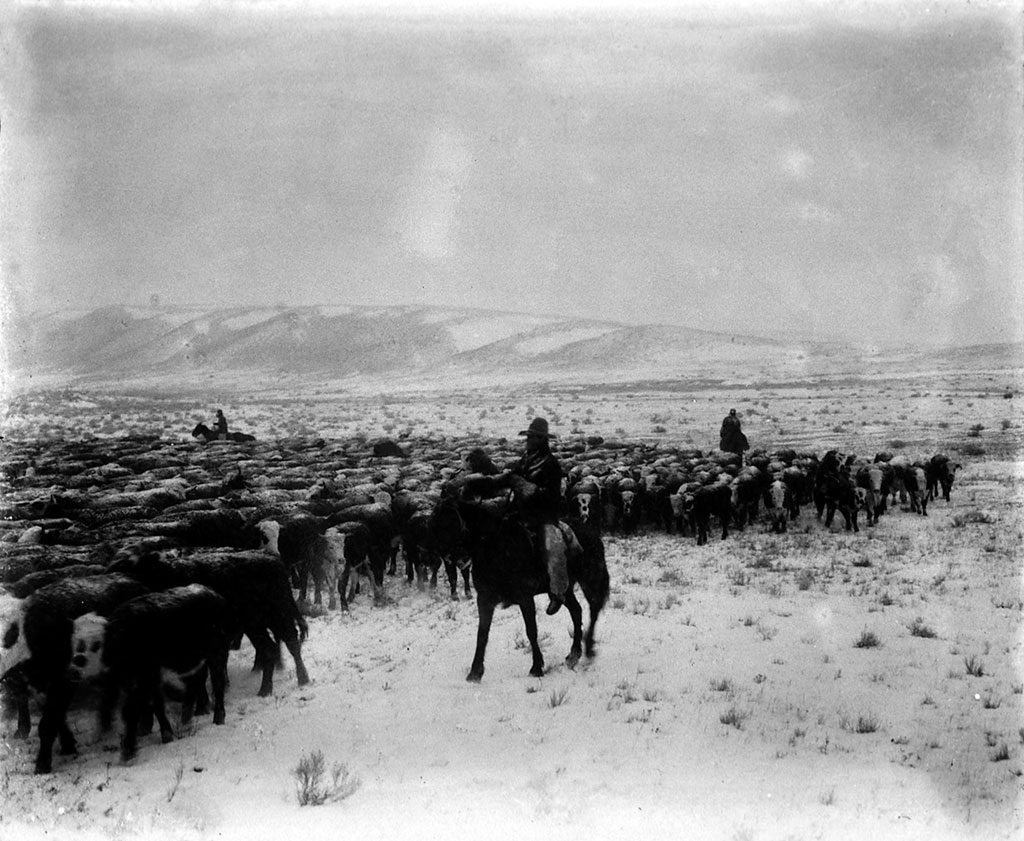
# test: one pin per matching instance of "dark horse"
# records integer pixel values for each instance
(204, 432)
(508, 570)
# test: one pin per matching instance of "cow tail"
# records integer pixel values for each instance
(300, 620)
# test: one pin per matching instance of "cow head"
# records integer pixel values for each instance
(946, 477)
(87, 638)
(863, 497)
(583, 502)
(628, 503)
(270, 531)
(13, 646)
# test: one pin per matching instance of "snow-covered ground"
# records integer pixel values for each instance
(728, 699)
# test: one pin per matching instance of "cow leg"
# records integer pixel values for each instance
(378, 589)
(331, 584)
(529, 611)
(52, 723)
(24, 720)
(160, 711)
(485, 614)
(291, 640)
(452, 572)
(378, 564)
(576, 613)
(197, 700)
(130, 717)
(344, 595)
(318, 582)
(265, 658)
(411, 562)
(725, 527)
(830, 514)
(218, 667)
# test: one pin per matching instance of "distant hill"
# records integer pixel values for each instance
(385, 345)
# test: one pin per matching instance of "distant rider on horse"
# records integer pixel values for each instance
(221, 425)
(731, 437)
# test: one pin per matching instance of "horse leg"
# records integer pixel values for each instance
(529, 611)
(576, 612)
(485, 613)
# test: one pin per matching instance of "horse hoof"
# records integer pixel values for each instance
(474, 677)
(537, 671)
(572, 660)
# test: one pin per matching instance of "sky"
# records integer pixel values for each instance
(829, 170)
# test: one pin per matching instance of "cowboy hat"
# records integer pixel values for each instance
(538, 427)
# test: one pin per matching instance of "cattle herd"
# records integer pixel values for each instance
(132, 566)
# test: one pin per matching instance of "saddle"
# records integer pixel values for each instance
(573, 548)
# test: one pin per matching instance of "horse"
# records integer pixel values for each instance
(204, 432)
(508, 569)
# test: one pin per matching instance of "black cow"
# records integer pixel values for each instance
(708, 500)
(940, 472)
(837, 491)
(257, 590)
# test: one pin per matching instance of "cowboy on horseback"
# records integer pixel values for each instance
(221, 425)
(538, 497)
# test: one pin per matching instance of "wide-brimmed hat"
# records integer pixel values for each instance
(538, 427)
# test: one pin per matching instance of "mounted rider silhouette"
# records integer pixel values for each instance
(536, 481)
(221, 425)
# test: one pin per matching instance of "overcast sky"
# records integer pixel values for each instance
(769, 168)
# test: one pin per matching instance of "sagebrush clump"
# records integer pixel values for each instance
(312, 786)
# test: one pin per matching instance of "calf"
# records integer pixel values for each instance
(940, 472)
(385, 537)
(747, 490)
(350, 544)
(37, 650)
(915, 481)
(837, 491)
(180, 633)
(871, 477)
(713, 499)
(299, 543)
(778, 502)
